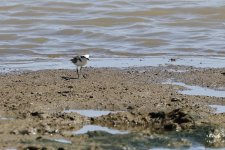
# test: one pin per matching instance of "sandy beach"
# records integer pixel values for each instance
(146, 99)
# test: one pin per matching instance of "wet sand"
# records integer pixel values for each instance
(33, 104)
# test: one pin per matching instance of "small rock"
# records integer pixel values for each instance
(170, 127)
(130, 108)
(182, 118)
(85, 76)
(24, 132)
(70, 87)
(16, 132)
(35, 113)
(175, 99)
(38, 138)
(32, 148)
(41, 115)
(160, 115)
(36, 148)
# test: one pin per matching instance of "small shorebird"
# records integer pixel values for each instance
(80, 61)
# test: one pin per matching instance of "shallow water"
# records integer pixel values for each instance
(4, 118)
(197, 90)
(63, 141)
(26, 63)
(196, 140)
(90, 113)
(58, 140)
(218, 108)
(90, 128)
(51, 29)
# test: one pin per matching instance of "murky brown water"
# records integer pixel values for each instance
(109, 28)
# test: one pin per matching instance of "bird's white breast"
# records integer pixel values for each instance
(81, 63)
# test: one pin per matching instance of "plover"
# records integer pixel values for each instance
(80, 61)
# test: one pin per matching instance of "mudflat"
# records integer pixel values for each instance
(148, 104)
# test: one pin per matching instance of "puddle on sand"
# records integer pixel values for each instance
(91, 128)
(218, 108)
(197, 90)
(90, 112)
(191, 148)
(4, 118)
(62, 141)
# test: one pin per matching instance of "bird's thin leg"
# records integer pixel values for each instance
(80, 70)
(78, 73)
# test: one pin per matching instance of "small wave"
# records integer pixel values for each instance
(36, 40)
(68, 32)
(109, 21)
(28, 14)
(19, 21)
(7, 37)
(151, 42)
(11, 7)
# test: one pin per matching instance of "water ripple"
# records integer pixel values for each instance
(112, 28)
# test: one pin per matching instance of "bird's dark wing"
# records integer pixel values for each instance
(83, 57)
(79, 58)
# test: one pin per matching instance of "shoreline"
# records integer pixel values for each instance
(46, 63)
(35, 101)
